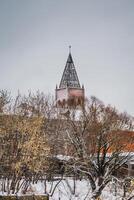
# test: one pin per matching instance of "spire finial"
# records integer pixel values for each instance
(69, 48)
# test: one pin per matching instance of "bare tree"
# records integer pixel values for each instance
(5, 99)
(98, 144)
(24, 146)
(29, 141)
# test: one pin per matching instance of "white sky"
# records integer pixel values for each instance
(34, 40)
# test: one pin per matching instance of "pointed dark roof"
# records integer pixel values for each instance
(69, 77)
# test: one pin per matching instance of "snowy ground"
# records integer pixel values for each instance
(65, 191)
(69, 190)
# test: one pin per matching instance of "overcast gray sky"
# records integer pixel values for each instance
(34, 40)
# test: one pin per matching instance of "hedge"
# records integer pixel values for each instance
(30, 197)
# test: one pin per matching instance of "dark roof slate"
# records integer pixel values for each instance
(69, 77)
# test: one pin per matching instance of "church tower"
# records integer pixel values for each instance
(69, 94)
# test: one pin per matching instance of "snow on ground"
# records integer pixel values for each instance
(65, 191)
(68, 189)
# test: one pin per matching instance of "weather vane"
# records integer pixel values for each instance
(69, 48)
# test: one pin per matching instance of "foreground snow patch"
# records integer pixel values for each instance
(70, 189)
